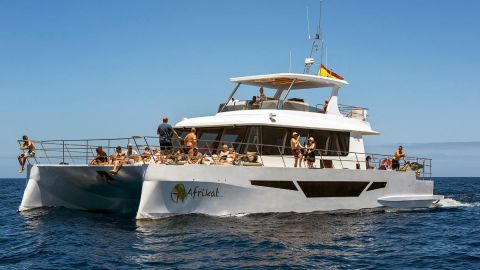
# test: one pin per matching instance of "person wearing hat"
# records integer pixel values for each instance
(194, 157)
(296, 146)
(310, 152)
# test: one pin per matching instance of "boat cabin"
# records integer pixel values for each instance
(265, 123)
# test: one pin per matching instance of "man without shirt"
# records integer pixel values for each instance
(22, 158)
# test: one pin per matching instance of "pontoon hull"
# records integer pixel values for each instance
(227, 190)
(83, 187)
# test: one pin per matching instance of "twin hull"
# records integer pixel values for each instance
(157, 190)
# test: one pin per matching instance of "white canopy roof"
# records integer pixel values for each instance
(283, 81)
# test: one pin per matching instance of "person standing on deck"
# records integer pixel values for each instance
(166, 133)
(296, 146)
(399, 154)
(190, 141)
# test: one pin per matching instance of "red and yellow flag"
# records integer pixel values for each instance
(325, 72)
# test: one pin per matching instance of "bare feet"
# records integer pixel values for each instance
(112, 172)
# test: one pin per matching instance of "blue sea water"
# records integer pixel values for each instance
(444, 237)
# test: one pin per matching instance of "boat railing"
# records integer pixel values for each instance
(66, 152)
(292, 105)
(351, 111)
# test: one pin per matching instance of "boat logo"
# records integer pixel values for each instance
(180, 193)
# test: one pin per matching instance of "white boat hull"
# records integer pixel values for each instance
(228, 190)
(160, 190)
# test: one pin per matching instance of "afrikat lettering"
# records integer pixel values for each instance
(180, 193)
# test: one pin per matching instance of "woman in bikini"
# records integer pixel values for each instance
(310, 152)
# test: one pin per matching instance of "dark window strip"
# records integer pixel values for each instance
(321, 189)
(275, 184)
(377, 185)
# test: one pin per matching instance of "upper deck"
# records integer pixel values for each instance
(286, 85)
(295, 81)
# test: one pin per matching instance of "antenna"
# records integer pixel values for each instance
(309, 61)
(290, 65)
(308, 25)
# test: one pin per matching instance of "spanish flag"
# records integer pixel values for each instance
(325, 72)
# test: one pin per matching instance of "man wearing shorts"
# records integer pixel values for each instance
(165, 133)
(22, 158)
(399, 154)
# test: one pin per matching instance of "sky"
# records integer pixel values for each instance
(100, 69)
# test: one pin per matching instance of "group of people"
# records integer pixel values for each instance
(190, 154)
(187, 154)
(256, 101)
(307, 152)
(391, 163)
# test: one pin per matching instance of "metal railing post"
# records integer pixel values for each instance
(340, 159)
(46, 155)
(86, 153)
(151, 150)
(63, 152)
(358, 162)
(281, 154)
(138, 149)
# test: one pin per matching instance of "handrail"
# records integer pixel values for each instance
(78, 151)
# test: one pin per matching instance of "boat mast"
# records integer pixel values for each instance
(309, 61)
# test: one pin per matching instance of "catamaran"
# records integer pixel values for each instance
(342, 176)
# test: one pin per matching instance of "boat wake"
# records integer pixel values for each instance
(451, 203)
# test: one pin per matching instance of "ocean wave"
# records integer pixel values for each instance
(451, 203)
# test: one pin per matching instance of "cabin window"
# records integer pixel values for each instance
(234, 137)
(182, 132)
(273, 139)
(332, 143)
(252, 140)
(208, 139)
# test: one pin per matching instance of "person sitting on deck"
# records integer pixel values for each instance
(223, 155)
(254, 104)
(118, 160)
(194, 157)
(177, 158)
(296, 146)
(147, 155)
(262, 96)
(406, 167)
(22, 158)
(190, 140)
(367, 163)
(131, 156)
(385, 164)
(325, 106)
(101, 158)
(231, 156)
(310, 152)
(157, 156)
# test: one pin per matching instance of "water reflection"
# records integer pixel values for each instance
(277, 238)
